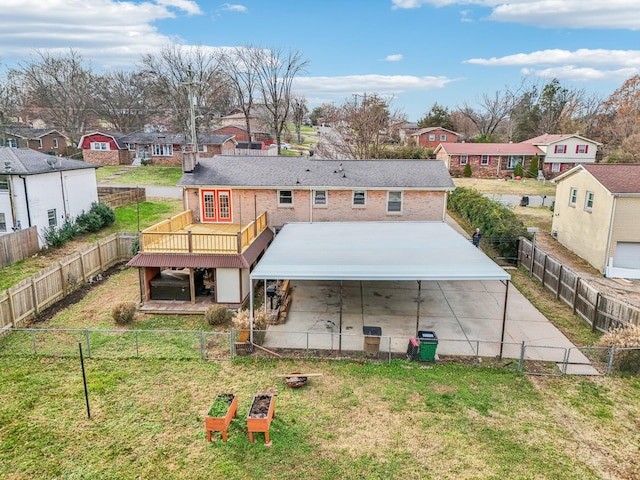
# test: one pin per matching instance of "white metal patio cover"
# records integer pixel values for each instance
(420, 251)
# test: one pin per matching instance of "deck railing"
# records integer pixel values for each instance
(173, 236)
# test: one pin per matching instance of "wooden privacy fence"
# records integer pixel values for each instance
(118, 196)
(18, 245)
(602, 311)
(32, 295)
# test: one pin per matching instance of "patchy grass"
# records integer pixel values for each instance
(126, 221)
(509, 187)
(402, 420)
(149, 175)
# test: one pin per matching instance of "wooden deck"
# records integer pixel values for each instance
(180, 235)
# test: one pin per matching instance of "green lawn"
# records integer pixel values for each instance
(513, 187)
(149, 175)
(357, 421)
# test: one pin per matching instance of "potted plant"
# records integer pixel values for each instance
(241, 321)
(260, 414)
(224, 408)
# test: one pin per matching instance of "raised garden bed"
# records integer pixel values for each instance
(260, 415)
(224, 408)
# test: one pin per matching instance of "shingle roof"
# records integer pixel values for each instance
(431, 129)
(301, 172)
(549, 138)
(25, 161)
(29, 133)
(489, 149)
(617, 178)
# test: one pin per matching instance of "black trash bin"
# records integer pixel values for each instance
(524, 202)
(428, 345)
(371, 340)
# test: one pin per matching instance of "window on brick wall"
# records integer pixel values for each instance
(320, 198)
(394, 202)
(285, 198)
(99, 146)
(55, 143)
(359, 198)
(162, 150)
(484, 160)
(464, 159)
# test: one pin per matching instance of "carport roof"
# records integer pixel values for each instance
(374, 251)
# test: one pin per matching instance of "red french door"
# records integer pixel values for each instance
(216, 206)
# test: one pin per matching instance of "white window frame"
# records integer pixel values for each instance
(392, 201)
(513, 161)
(4, 182)
(484, 160)
(162, 150)
(560, 149)
(588, 201)
(12, 142)
(432, 137)
(556, 167)
(359, 194)
(39, 144)
(202, 148)
(464, 159)
(101, 146)
(55, 143)
(573, 196)
(320, 198)
(282, 196)
(582, 149)
(3, 222)
(443, 137)
(52, 217)
(131, 147)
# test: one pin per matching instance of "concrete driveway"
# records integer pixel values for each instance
(466, 317)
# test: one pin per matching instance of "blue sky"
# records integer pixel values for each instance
(416, 52)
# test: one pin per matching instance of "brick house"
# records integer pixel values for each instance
(431, 137)
(43, 140)
(487, 160)
(234, 204)
(166, 149)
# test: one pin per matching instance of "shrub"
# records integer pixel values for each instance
(533, 167)
(627, 336)
(518, 171)
(89, 222)
(123, 312)
(135, 246)
(56, 237)
(105, 212)
(217, 315)
(467, 170)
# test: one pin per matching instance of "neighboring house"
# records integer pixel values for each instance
(43, 190)
(596, 216)
(487, 160)
(562, 152)
(241, 135)
(233, 204)
(404, 131)
(431, 137)
(112, 148)
(43, 140)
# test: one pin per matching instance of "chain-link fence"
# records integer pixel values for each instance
(206, 345)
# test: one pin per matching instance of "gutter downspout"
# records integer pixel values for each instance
(608, 249)
(310, 205)
(12, 202)
(64, 199)
(26, 199)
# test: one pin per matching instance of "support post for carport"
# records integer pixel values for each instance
(418, 309)
(504, 316)
(251, 310)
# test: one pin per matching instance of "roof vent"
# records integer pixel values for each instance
(7, 165)
(340, 167)
(51, 161)
(344, 175)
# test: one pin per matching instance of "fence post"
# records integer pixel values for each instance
(12, 312)
(521, 359)
(86, 337)
(595, 312)
(137, 346)
(612, 353)
(575, 295)
(202, 352)
(34, 296)
(33, 342)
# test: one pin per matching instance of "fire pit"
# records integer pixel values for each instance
(295, 380)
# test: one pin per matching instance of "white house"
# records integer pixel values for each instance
(563, 151)
(43, 190)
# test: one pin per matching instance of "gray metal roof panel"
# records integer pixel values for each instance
(301, 172)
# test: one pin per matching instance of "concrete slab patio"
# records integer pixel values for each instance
(466, 316)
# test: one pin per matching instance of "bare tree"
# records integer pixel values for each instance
(365, 118)
(187, 84)
(240, 66)
(621, 113)
(9, 102)
(492, 113)
(276, 72)
(61, 89)
(122, 99)
(299, 112)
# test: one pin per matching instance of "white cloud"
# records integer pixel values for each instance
(229, 7)
(580, 65)
(394, 58)
(597, 14)
(592, 57)
(328, 89)
(113, 32)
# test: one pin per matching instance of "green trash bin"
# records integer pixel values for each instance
(428, 345)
